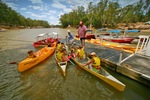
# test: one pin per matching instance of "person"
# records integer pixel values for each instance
(70, 37)
(94, 63)
(61, 55)
(31, 54)
(59, 45)
(82, 33)
(72, 53)
(80, 52)
(49, 44)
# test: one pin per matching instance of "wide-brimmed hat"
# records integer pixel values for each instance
(68, 31)
(93, 54)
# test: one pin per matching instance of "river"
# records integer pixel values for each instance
(46, 82)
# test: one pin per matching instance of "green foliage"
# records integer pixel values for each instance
(11, 18)
(107, 14)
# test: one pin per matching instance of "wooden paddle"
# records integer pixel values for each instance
(69, 60)
(13, 62)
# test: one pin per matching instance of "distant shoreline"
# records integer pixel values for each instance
(5, 28)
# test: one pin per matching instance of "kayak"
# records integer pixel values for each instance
(41, 55)
(62, 65)
(127, 47)
(102, 74)
(44, 42)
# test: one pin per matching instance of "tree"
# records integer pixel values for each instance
(11, 18)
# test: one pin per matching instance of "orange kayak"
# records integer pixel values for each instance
(41, 55)
(118, 46)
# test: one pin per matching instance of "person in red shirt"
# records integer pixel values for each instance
(82, 33)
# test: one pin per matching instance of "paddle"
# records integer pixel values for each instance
(69, 60)
(13, 62)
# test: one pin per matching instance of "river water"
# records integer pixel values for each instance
(46, 82)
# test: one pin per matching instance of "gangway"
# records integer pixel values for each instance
(143, 48)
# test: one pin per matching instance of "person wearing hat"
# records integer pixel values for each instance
(82, 33)
(70, 37)
(94, 63)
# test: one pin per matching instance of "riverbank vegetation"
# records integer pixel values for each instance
(9, 18)
(107, 14)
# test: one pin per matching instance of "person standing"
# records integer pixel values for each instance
(82, 33)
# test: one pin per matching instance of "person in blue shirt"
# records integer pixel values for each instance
(70, 37)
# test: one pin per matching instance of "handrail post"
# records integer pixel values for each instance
(120, 57)
(66, 39)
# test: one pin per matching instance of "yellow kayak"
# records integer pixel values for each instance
(101, 74)
(40, 56)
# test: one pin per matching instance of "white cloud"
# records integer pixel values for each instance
(38, 16)
(53, 20)
(36, 1)
(58, 5)
(28, 12)
(12, 5)
(36, 7)
(127, 2)
(23, 9)
(41, 7)
(52, 11)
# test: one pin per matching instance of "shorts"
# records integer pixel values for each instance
(82, 39)
(71, 41)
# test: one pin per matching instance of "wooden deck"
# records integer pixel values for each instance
(136, 67)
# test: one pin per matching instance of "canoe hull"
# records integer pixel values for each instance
(62, 65)
(122, 40)
(108, 79)
(41, 56)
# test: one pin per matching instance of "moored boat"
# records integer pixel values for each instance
(102, 74)
(46, 38)
(41, 55)
(122, 40)
(89, 34)
(114, 36)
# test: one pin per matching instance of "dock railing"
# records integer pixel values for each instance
(143, 48)
(142, 45)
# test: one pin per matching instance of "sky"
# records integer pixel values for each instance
(51, 10)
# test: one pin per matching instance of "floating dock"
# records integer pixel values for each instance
(134, 66)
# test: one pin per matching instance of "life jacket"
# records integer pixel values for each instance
(31, 56)
(72, 49)
(58, 46)
(59, 56)
(80, 53)
(96, 63)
